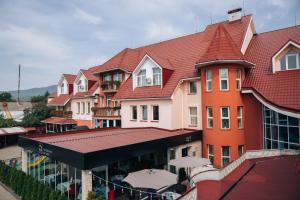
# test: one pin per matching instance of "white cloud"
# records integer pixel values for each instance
(87, 17)
(160, 30)
(28, 41)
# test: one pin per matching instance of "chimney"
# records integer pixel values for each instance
(234, 14)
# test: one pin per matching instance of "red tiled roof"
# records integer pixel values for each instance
(70, 78)
(182, 53)
(59, 120)
(89, 75)
(262, 182)
(221, 47)
(60, 100)
(102, 139)
(281, 89)
(88, 93)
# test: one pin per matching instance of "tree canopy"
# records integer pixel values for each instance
(6, 96)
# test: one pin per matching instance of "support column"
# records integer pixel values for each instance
(86, 177)
(24, 160)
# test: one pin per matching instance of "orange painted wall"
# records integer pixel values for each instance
(253, 127)
(216, 99)
(88, 123)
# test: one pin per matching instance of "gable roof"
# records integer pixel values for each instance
(70, 78)
(60, 100)
(181, 54)
(88, 74)
(281, 89)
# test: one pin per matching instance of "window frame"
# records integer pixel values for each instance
(242, 148)
(152, 110)
(108, 100)
(208, 80)
(196, 88)
(209, 117)
(142, 112)
(225, 118)
(222, 156)
(210, 155)
(287, 62)
(156, 74)
(131, 113)
(193, 116)
(139, 78)
(78, 108)
(240, 117)
(224, 79)
(88, 104)
(238, 79)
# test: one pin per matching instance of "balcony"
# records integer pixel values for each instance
(60, 113)
(105, 112)
(110, 86)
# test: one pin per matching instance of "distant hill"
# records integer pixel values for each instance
(26, 94)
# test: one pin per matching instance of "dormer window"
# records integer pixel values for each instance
(287, 58)
(156, 76)
(141, 78)
(62, 87)
(107, 77)
(118, 76)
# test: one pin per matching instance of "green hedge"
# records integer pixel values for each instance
(25, 186)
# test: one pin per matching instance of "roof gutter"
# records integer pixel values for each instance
(242, 62)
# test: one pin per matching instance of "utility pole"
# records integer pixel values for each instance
(19, 84)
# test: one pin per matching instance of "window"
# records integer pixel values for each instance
(133, 112)
(141, 78)
(86, 85)
(172, 154)
(107, 77)
(193, 87)
(78, 107)
(208, 80)
(240, 116)
(209, 117)
(210, 153)
(225, 119)
(155, 113)
(102, 101)
(224, 79)
(108, 100)
(88, 108)
(238, 79)
(193, 116)
(292, 61)
(118, 76)
(62, 87)
(83, 107)
(144, 112)
(241, 149)
(185, 151)
(225, 155)
(156, 76)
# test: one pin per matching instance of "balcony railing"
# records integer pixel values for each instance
(110, 86)
(107, 111)
(59, 113)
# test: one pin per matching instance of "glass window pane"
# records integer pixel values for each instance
(294, 134)
(223, 73)
(208, 75)
(268, 131)
(282, 119)
(282, 63)
(292, 61)
(283, 145)
(225, 123)
(283, 134)
(293, 146)
(293, 121)
(225, 151)
(274, 132)
(268, 144)
(224, 84)
(193, 87)
(274, 144)
(224, 112)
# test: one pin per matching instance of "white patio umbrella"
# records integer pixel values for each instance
(151, 178)
(189, 162)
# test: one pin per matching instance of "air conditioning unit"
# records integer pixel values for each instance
(148, 81)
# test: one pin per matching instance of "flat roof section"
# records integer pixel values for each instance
(92, 148)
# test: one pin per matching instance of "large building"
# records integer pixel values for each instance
(237, 89)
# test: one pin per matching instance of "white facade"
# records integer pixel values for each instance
(62, 87)
(174, 113)
(80, 83)
(81, 108)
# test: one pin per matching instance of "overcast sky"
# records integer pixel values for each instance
(52, 37)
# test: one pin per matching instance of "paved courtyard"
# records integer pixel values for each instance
(5, 195)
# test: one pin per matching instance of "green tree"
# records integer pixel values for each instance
(34, 116)
(7, 122)
(6, 97)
